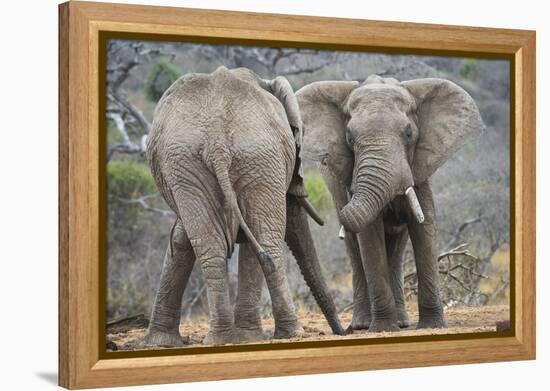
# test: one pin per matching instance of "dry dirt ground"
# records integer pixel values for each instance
(461, 320)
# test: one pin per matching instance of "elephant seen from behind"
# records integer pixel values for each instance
(224, 152)
(377, 144)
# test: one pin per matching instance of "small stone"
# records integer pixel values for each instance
(111, 346)
(503, 325)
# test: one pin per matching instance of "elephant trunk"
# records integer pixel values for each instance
(300, 242)
(376, 181)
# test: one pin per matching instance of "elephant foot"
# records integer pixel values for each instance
(242, 335)
(290, 330)
(359, 321)
(403, 320)
(219, 338)
(432, 322)
(380, 325)
(356, 325)
(164, 339)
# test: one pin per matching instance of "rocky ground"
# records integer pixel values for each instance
(124, 335)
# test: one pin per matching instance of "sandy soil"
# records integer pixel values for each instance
(461, 320)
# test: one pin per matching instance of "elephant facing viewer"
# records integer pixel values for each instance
(224, 154)
(377, 144)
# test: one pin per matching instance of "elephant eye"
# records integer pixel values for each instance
(408, 132)
(349, 141)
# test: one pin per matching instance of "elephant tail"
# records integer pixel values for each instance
(222, 175)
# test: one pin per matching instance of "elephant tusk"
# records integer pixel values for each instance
(310, 210)
(414, 204)
(342, 233)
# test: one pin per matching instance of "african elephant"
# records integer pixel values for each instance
(377, 144)
(223, 150)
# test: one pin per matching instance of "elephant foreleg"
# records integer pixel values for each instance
(361, 318)
(395, 248)
(423, 238)
(165, 318)
(248, 325)
(383, 309)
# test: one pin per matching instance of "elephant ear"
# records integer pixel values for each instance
(447, 118)
(281, 88)
(321, 105)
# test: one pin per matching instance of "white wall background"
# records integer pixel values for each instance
(28, 192)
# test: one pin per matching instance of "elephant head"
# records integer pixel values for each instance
(382, 137)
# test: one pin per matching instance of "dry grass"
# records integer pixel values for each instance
(496, 286)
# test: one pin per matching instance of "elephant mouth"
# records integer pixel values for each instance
(377, 181)
(356, 218)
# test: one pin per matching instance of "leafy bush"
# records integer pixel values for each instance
(127, 179)
(469, 68)
(113, 136)
(317, 191)
(161, 76)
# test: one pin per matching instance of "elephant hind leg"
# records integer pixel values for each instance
(265, 212)
(284, 313)
(213, 264)
(248, 325)
(165, 317)
(206, 231)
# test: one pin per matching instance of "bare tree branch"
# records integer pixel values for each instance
(120, 110)
(272, 59)
(465, 281)
(455, 236)
(299, 71)
(125, 145)
(458, 250)
(142, 201)
(503, 285)
(126, 107)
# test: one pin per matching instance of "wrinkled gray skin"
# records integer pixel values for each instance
(373, 141)
(223, 152)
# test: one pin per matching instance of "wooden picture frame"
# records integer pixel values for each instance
(82, 25)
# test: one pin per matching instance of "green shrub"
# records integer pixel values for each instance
(469, 68)
(127, 179)
(317, 191)
(161, 76)
(113, 136)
